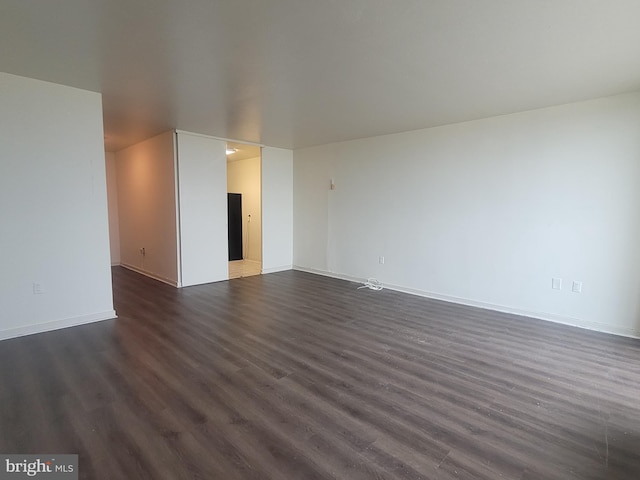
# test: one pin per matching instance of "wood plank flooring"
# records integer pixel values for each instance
(296, 376)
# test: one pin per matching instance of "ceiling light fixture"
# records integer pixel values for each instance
(231, 151)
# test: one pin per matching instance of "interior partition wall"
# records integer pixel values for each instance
(190, 203)
(202, 208)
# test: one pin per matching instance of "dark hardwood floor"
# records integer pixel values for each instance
(296, 376)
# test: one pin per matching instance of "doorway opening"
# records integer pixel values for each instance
(244, 204)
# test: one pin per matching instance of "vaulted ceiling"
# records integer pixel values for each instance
(296, 73)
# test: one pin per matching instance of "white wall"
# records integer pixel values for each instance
(487, 212)
(243, 176)
(53, 215)
(202, 187)
(112, 201)
(277, 209)
(147, 207)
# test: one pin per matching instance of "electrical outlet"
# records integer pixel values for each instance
(576, 287)
(37, 288)
(556, 283)
(381, 260)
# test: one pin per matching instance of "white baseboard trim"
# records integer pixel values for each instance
(56, 324)
(281, 268)
(168, 281)
(549, 317)
(325, 273)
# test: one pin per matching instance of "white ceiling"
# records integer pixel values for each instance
(296, 73)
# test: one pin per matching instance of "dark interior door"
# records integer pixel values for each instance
(234, 210)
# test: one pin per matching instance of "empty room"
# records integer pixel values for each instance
(320, 240)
